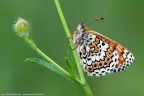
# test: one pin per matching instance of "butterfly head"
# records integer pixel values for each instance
(80, 27)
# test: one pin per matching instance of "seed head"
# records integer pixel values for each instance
(22, 27)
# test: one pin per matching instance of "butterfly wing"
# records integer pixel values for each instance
(100, 56)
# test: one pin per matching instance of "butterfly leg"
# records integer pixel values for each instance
(77, 43)
(72, 35)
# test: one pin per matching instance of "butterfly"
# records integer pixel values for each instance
(98, 54)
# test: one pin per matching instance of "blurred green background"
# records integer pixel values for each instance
(123, 23)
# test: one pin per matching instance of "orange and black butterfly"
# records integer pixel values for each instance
(98, 54)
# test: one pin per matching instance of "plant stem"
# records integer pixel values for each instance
(87, 90)
(82, 78)
(67, 74)
(70, 40)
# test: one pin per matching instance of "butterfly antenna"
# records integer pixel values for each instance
(96, 19)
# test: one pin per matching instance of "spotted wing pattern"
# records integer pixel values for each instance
(99, 55)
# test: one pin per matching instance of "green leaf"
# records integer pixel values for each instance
(48, 65)
(70, 56)
(70, 63)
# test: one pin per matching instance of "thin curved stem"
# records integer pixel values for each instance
(67, 74)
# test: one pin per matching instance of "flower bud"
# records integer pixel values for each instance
(22, 27)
